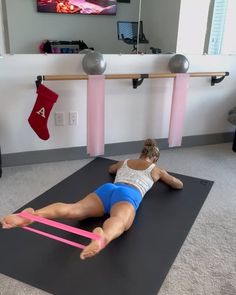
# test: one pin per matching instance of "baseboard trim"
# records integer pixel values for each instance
(76, 153)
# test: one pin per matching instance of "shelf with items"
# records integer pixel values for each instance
(62, 47)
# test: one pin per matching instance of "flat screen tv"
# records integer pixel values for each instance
(95, 7)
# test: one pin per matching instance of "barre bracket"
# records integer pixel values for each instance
(215, 80)
(38, 81)
(138, 82)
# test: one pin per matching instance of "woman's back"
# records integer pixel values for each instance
(138, 164)
(136, 173)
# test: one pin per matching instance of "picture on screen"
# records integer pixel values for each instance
(95, 7)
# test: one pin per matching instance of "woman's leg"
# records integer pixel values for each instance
(90, 206)
(121, 218)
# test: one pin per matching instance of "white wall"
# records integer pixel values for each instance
(130, 114)
(192, 26)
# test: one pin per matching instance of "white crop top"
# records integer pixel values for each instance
(141, 179)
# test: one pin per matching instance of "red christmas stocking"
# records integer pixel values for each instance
(39, 116)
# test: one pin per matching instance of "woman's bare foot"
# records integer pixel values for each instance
(95, 246)
(13, 220)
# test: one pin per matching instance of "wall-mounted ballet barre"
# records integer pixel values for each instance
(216, 77)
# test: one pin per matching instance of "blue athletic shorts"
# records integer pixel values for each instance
(112, 193)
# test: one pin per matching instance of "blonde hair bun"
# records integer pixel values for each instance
(150, 149)
(150, 142)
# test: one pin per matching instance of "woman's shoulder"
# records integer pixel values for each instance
(156, 173)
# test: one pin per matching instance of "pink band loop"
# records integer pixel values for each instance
(71, 243)
(61, 226)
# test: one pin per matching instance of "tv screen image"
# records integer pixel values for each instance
(95, 7)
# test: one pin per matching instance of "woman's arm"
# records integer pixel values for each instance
(114, 167)
(170, 180)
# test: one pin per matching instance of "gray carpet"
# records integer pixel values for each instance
(206, 263)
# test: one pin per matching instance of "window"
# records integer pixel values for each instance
(222, 39)
(2, 47)
(217, 26)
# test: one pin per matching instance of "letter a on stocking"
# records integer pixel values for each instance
(39, 116)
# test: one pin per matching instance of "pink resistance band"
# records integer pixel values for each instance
(61, 226)
(95, 115)
(178, 106)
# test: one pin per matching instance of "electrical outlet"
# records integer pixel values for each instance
(73, 118)
(59, 118)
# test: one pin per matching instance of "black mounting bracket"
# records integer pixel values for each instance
(138, 82)
(38, 81)
(215, 80)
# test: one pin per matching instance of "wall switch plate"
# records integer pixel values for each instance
(59, 118)
(73, 118)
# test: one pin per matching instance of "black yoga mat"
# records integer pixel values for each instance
(134, 264)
